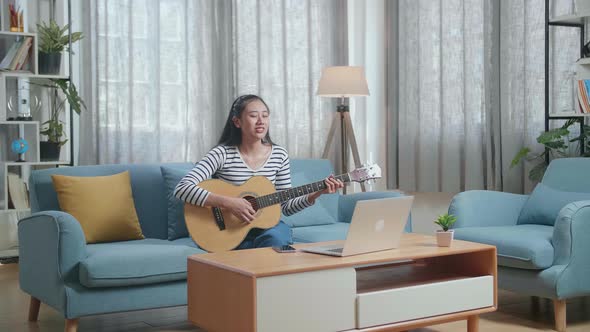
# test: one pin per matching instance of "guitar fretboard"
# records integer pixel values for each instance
(285, 195)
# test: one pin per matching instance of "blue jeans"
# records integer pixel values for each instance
(277, 236)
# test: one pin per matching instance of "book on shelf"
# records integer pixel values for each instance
(18, 193)
(583, 93)
(10, 55)
(17, 55)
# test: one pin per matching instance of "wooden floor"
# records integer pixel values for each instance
(516, 313)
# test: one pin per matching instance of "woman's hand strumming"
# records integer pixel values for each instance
(240, 208)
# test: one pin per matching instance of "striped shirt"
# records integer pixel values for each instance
(225, 163)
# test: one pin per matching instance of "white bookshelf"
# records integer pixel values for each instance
(17, 34)
(568, 114)
(10, 252)
(8, 38)
(582, 73)
(569, 19)
(28, 130)
(32, 76)
(578, 21)
(11, 84)
(9, 235)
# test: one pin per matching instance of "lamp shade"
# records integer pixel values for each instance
(343, 81)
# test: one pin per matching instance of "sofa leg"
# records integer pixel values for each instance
(72, 325)
(34, 309)
(560, 315)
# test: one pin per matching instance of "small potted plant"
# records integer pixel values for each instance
(54, 127)
(52, 41)
(444, 237)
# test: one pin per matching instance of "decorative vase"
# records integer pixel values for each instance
(444, 239)
(49, 151)
(49, 63)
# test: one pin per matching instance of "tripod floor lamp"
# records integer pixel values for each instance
(343, 82)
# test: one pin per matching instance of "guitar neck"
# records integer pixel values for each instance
(284, 195)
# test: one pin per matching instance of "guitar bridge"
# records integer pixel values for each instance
(218, 216)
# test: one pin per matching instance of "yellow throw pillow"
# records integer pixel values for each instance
(102, 204)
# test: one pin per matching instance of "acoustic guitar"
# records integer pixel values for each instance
(215, 229)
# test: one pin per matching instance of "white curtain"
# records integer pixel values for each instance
(471, 91)
(165, 72)
(366, 48)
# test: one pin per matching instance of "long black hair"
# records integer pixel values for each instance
(231, 134)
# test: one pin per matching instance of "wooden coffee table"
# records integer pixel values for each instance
(416, 285)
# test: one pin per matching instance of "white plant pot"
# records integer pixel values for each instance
(444, 239)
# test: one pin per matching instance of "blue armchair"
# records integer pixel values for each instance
(542, 240)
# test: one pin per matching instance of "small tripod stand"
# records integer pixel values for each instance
(346, 137)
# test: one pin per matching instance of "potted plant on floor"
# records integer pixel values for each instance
(556, 144)
(54, 127)
(53, 39)
(444, 237)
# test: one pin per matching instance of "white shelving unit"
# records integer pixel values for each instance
(11, 88)
(569, 19)
(568, 114)
(33, 76)
(582, 71)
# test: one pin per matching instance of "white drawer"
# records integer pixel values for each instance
(424, 300)
(314, 301)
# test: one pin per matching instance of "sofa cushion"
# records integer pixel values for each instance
(132, 263)
(176, 223)
(317, 214)
(520, 246)
(103, 205)
(147, 186)
(544, 205)
(320, 233)
(187, 241)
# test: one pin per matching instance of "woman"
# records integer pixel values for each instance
(244, 150)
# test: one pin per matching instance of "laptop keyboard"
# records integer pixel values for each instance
(335, 250)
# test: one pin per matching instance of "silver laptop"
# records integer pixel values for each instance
(376, 224)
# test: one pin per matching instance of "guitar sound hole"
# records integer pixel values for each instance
(252, 201)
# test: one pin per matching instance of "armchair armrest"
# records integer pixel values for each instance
(51, 244)
(480, 208)
(346, 204)
(571, 235)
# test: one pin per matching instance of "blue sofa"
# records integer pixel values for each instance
(59, 269)
(542, 240)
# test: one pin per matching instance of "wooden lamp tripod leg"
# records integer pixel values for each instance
(348, 139)
(353, 145)
(339, 121)
(331, 134)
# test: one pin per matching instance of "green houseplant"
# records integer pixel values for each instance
(53, 128)
(444, 237)
(53, 40)
(556, 145)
